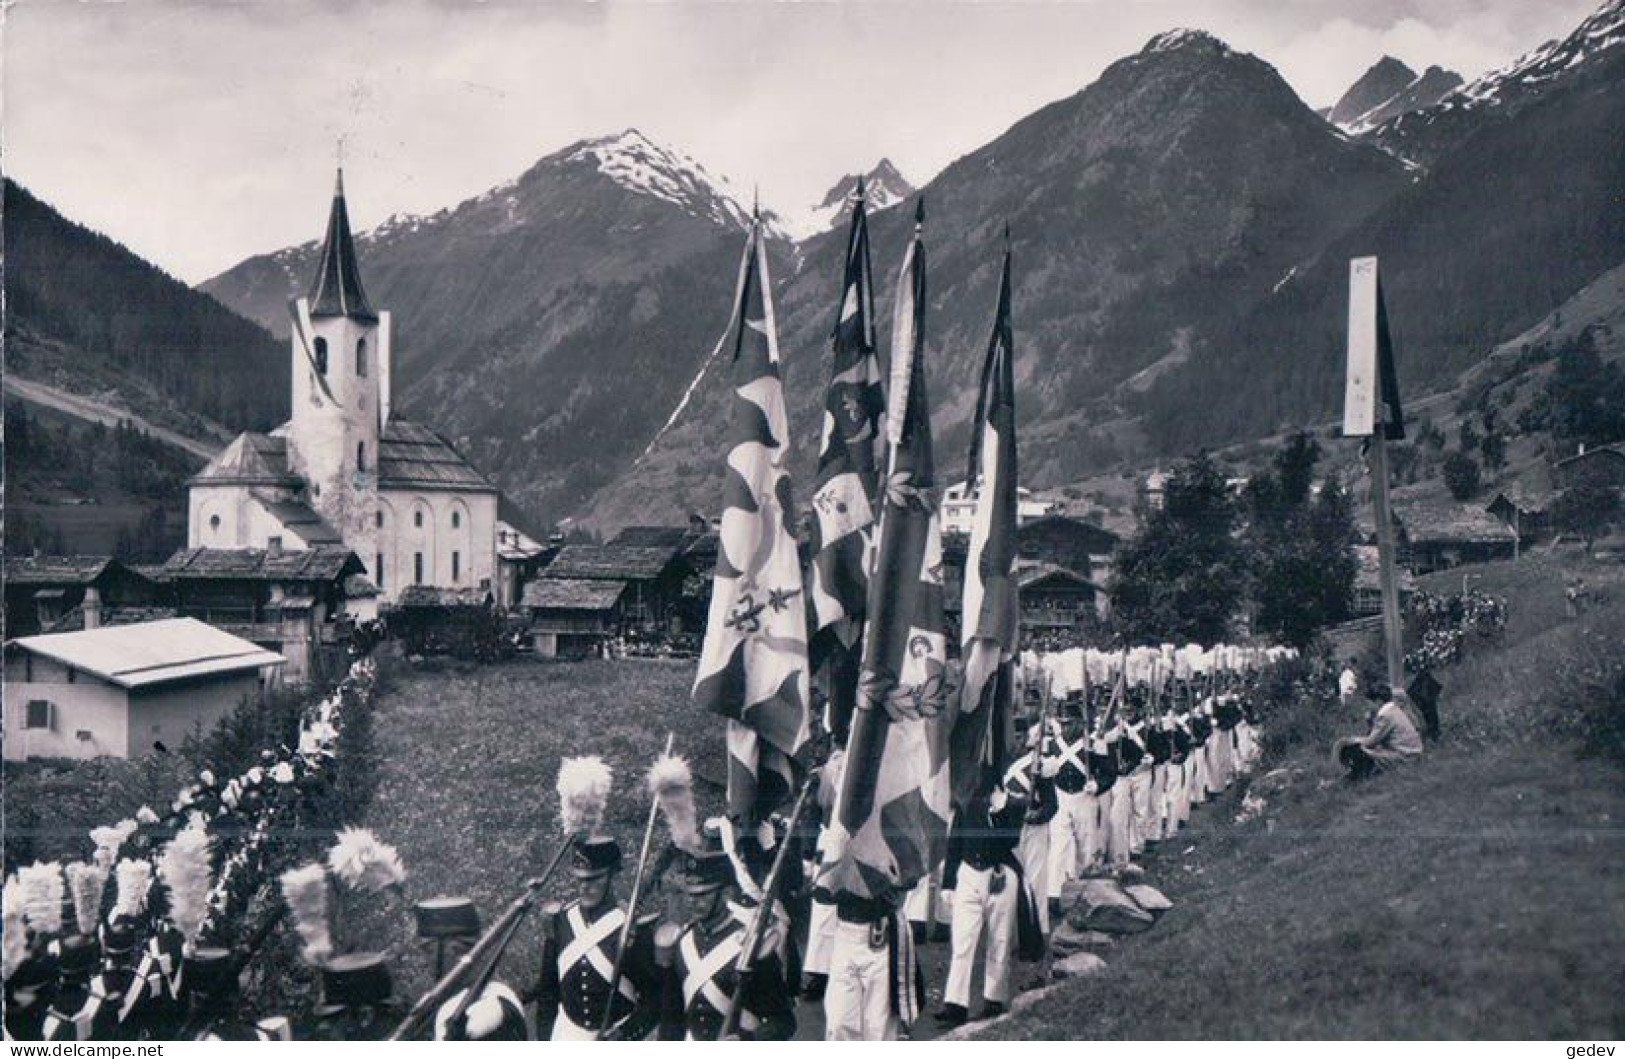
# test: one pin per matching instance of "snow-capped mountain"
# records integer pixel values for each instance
(1425, 135)
(1386, 78)
(1424, 91)
(883, 187)
(640, 165)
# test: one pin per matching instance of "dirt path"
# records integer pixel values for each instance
(94, 411)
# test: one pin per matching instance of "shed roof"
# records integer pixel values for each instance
(413, 456)
(1456, 523)
(549, 593)
(152, 653)
(616, 562)
(256, 564)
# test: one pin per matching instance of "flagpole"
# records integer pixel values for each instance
(1392, 633)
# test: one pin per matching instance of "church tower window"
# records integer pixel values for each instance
(456, 566)
(417, 568)
(361, 357)
(321, 356)
(417, 519)
(361, 456)
(456, 519)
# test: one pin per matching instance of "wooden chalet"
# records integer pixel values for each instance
(1442, 536)
(42, 591)
(570, 618)
(1067, 541)
(1368, 582)
(651, 576)
(1603, 465)
(1058, 606)
(293, 602)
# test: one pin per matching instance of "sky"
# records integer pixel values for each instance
(200, 133)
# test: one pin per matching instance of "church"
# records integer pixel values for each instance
(344, 470)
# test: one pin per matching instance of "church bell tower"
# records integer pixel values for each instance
(340, 349)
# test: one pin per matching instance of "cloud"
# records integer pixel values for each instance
(201, 133)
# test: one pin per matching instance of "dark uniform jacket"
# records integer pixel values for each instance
(700, 984)
(576, 972)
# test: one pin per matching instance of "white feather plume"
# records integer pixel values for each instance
(41, 886)
(134, 878)
(183, 868)
(305, 891)
(86, 884)
(14, 933)
(672, 785)
(360, 861)
(109, 839)
(584, 784)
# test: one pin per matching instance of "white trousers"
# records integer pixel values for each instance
(1187, 788)
(1140, 827)
(977, 908)
(1165, 790)
(1117, 813)
(1074, 838)
(857, 1004)
(820, 938)
(924, 903)
(1247, 748)
(1201, 778)
(1218, 761)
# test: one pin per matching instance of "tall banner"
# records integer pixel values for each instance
(992, 608)
(753, 665)
(843, 503)
(892, 813)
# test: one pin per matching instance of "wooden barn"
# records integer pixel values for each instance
(43, 590)
(570, 618)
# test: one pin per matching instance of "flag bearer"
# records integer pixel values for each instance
(983, 872)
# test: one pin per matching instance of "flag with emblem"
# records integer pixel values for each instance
(753, 665)
(991, 611)
(892, 811)
(849, 457)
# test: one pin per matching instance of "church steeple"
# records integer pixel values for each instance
(337, 287)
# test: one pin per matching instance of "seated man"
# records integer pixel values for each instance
(1393, 737)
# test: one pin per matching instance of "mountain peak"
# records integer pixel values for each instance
(1185, 40)
(883, 187)
(1386, 78)
(638, 163)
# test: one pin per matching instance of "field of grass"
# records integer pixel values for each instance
(469, 760)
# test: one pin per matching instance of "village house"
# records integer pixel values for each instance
(1442, 536)
(1602, 465)
(1069, 542)
(958, 509)
(612, 590)
(123, 691)
(43, 590)
(293, 602)
(345, 469)
(1058, 605)
(1368, 582)
(519, 558)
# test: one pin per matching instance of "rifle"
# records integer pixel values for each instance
(753, 935)
(484, 953)
(632, 905)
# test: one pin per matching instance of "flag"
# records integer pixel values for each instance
(892, 812)
(843, 497)
(991, 611)
(1392, 416)
(753, 665)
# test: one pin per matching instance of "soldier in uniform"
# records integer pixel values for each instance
(983, 873)
(1136, 765)
(700, 964)
(1075, 828)
(76, 1008)
(28, 995)
(579, 947)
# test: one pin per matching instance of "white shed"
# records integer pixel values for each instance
(118, 690)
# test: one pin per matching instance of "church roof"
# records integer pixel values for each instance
(300, 518)
(251, 459)
(414, 457)
(336, 290)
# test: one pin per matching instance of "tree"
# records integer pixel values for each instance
(1181, 576)
(1587, 395)
(1300, 552)
(1461, 475)
(1494, 450)
(1588, 510)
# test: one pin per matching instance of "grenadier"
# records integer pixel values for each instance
(700, 963)
(579, 947)
(984, 874)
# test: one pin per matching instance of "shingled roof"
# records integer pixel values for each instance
(1459, 523)
(414, 457)
(250, 459)
(257, 564)
(549, 593)
(611, 562)
(56, 569)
